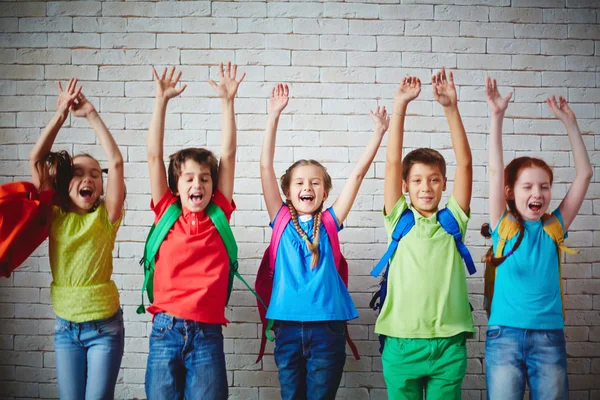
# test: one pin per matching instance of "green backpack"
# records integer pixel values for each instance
(159, 231)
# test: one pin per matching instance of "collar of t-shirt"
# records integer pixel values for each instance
(305, 218)
(432, 218)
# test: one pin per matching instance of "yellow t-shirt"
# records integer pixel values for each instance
(427, 286)
(80, 249)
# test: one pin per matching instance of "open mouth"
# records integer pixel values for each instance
(307, 198)
(196, 198)
(86, 193)
(535, 206)
(427, 199)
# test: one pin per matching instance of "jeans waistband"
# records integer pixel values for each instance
(171, 321)
(91, 324)
(305, 324)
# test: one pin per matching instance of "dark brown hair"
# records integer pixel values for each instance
(511, 175)
(285, 181)
(423, 156)
(201, 156)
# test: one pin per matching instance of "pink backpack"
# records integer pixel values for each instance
(266, 270)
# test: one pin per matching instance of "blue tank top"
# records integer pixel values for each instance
(302, 293)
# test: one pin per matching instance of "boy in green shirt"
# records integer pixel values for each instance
(426, 312)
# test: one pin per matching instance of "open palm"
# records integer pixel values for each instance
(68, 96)
(444, 91)
(228, 85)
(409, 89)
(497, 103)
(166, 86)
(561, 109)
(279, 98)
(380, 119)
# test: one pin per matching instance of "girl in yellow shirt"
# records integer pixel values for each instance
(89, 333)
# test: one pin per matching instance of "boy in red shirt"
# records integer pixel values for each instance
(186, 358)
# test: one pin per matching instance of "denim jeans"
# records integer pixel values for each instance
(310, 357)
(514, 356)
(88, 357)
(186, 360)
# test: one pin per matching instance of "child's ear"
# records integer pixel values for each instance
(509, 193)
(404, 186)
(445, 181)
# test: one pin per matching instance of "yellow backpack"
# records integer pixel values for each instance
(509, 228)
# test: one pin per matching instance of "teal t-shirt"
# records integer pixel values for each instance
(527, 287)
(427, 287)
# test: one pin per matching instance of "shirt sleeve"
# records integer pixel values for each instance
(162, 205)
(390, 220)
(220, 200)
(559, 216)
(459, 215)
(337, 225)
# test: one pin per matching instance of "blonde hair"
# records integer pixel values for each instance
(285, 180)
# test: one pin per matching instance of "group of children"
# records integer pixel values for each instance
(426, 315)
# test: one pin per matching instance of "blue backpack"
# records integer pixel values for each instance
(404, 225)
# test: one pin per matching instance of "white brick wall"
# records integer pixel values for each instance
(341, 59)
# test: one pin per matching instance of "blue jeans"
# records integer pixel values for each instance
(88, 357)
(186, 360)
(514, 356)
(310, 357)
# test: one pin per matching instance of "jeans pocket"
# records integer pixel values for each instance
(59, 327)
(112, 326)
(159, 331)
(493, 332)
(212, 332)
(337, 328)
(555, 336)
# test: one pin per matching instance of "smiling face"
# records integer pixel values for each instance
(424, 184)
(531, 193)
(194, 185)
(85, 188)
(307, 190)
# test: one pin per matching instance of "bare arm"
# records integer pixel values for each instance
(444, 93)
(115, 186)
(344, 202)
(498, 106)
(408, 90)
(48, 136)
(277, 103)
(571, 204)
(226, 90)
(166, 89)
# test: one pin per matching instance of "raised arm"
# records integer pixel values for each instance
(226, 90)
(115, 186)
(344, 202)
(444, 92)
(498, 106)
(46, 139)
(166, 89)
(277, 102)
(408, 90)
(571, 204)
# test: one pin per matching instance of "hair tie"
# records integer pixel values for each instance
(304, 237)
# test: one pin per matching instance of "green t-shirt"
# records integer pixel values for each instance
(80, 248)
(427, 286)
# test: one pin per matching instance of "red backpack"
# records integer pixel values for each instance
(266, 270)
(24, 213)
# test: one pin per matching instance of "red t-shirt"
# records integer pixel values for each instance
(191, 271)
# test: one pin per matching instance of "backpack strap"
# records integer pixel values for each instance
(157, 234)
(450, 225)
(403, 226)
(218, 218)
(340, 264)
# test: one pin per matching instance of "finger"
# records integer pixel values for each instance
(443, 75)
(231, 71)
(72, 84)
(171, 72)
(221, 73)
(273, 91)
(156, 78)
(241, 77)
(434, 79)
(418, 82)
(451, 76)
(286, 90)
(377, 111)
(69, 85)
(60, 88)
(164, 74)
(507, 98)
(228, 71)
(212, 83)
(403, 81)
(78, 93)
(384, 111)
(495, 85)
(177, 78)
(180, 89)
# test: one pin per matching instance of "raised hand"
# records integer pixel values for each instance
(409, 89)
(228, 85)
(380, 119)
(279, 99)
(444, 91)
(166, 86)
(82, 107)
(67, 97)
(497, 103)
(561, 110)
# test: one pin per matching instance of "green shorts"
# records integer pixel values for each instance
(436, 366)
